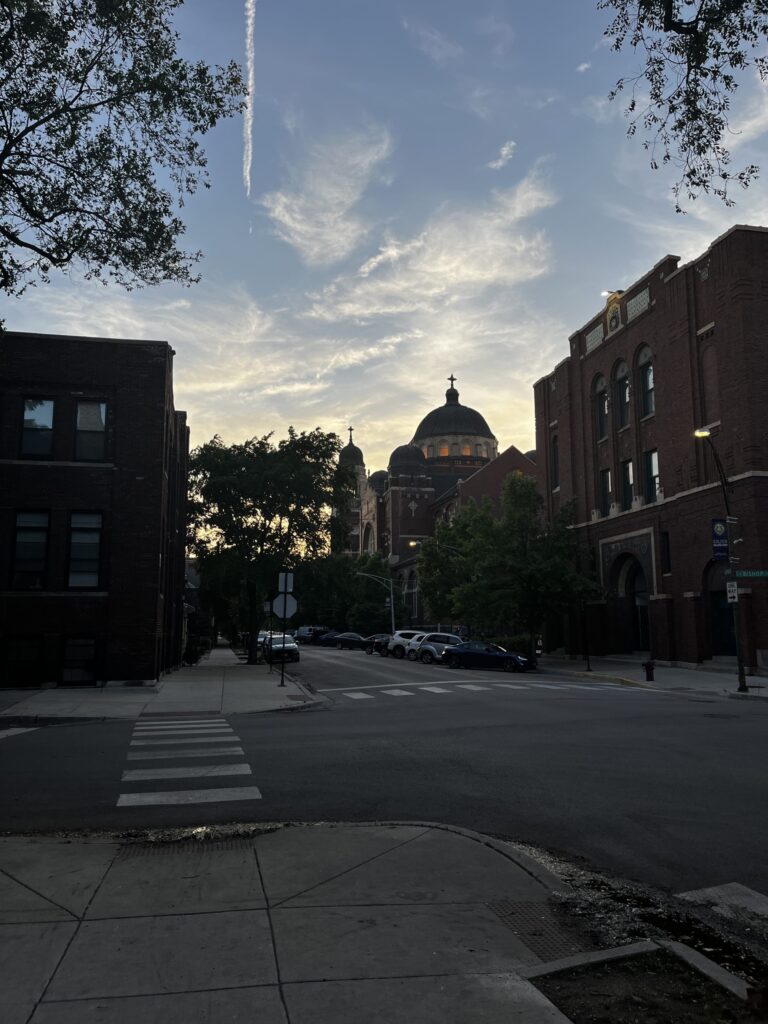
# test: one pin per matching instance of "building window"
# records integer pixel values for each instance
(466, 448)
(37, 432)
(554, 461)
(622, 395)
(601, 409)
(605, 492)
(651, 476)
(627, 485)
(666, 554)
(79, 661)
(91, 435)
(84, 549)
(443, 449)
(31, 551)
(430, 453)
(647, 387)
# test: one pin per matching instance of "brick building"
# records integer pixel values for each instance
(93, 469)
(682, 348)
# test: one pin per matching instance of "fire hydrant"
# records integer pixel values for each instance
(649, 667)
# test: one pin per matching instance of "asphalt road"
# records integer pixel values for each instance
(667, 788)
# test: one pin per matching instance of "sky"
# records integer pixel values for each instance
(417, 188)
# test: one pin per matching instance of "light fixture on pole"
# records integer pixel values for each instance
(704, 434)
(387, 583)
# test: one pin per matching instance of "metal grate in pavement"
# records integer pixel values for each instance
(542, 930)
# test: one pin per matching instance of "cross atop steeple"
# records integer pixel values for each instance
(452, 379)
(350, 429)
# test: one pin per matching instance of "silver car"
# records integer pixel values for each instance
(432, 646)
(411, 650)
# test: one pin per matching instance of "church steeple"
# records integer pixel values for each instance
(452, 395)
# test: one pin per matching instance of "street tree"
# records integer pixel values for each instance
(259, 507)
(694, 53)
(505, 569)
(100, 139)
(331, 593)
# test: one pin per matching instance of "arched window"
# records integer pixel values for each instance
(600, 395)
(430, 451)
(646, 381)
(466, 446)
(621, 395)
(443, 447)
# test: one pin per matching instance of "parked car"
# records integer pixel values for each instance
(328, 639)
(412, 646)
(280, 647)
(350, 641)
(433, 645)
(377, 644)
(480, 654)
(306, 634)
(399, 642)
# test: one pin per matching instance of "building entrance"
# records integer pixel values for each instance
(630, 606)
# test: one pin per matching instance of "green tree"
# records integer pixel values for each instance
(694, 52)
(331, 593)
(507, 571)
(256, 508)
(101, 127)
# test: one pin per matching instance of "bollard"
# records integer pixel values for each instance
(649, 667)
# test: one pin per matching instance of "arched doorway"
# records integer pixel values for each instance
(630, 606)
(721, 631)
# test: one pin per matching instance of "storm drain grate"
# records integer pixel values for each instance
(207, 848)
(541, 929)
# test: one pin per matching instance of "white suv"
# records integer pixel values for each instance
(399, 642)
(412, 648)
(432, 646)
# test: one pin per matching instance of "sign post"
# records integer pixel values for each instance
(284, 607)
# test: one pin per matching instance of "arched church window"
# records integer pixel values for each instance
(647, 383)
(443, 448)
(466, 447)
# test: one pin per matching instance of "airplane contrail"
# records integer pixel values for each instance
(250, 18)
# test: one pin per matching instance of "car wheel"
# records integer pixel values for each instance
(411, 655)
(510, 665)
(384, 652)
(339, 647)
(398, 652)
(454, 661)
(369, 649)
(427, 657)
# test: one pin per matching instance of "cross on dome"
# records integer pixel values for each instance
(350, 429)
(452, 379)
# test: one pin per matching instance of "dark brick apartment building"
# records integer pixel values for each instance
(683, 348)
(93, 468)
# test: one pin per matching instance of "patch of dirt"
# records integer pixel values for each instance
(653, 988)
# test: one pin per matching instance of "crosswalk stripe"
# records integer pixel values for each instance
(196, 772)
(158, 755)
(399, 693)
(189, 796)
(201, 730)
(545, 686)
(359, 696)
(154, 726)
(470, 686)
(158, 741)
(435, 689)
(511, 686)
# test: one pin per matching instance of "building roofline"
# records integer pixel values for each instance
(84, 337)
(720, 238)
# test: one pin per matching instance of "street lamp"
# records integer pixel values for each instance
(704, 434)
(387, 583)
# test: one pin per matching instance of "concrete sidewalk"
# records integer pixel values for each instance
(722, 680)
(318, 924)
(219, 683)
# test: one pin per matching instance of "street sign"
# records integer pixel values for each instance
(285, 582)
(751, 574)
(732, 589)
(284, 606)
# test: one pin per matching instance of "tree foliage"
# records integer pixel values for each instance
(331, 593)
(101, 121)
(257, 508)
(503, 573)
(694, 53)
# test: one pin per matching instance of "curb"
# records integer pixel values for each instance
(599, 956)
(21, 721)
(599, 677)
(706, 967)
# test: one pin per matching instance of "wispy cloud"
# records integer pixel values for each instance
(316, 216)
(433, 43)
(505, 155)
(585, 66)
(250, 19)
(500, 31)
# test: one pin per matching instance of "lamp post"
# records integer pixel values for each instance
(703, 434)
(387, 583)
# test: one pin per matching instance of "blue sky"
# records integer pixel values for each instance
(434, 186)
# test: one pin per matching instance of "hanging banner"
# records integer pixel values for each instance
(720, 539)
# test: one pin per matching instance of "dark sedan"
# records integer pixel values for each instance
(479, 654)
(341, 640)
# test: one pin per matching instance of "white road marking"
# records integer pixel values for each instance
(156, 741)
(511, 686)
(399, 693)
(5, 733)
(157, 755)
(545, 686)
(470, 686)
(189, 796)
(359, 696)
(154, 726)
(435, 689)
(216, 730)
(383, 686)
(146, 774)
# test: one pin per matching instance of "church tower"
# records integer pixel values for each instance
(351, 456)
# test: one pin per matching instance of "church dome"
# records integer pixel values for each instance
(407, 459)
(350, 455)
(453, 418)
(378, 480)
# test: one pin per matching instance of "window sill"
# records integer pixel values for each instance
(648, 416)
(624, 429)
(556, 490)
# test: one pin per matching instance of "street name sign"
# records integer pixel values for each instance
(752, 574)
(285, 582)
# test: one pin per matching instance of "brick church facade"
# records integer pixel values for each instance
(683, 348)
